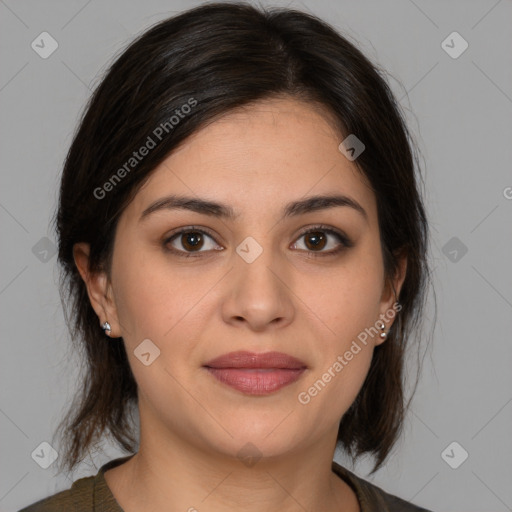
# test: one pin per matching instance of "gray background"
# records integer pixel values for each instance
(460, 110)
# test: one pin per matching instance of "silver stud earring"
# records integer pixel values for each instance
(383, 334)
(107, 328)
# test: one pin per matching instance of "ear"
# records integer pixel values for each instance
(391, 292)
(99, 289)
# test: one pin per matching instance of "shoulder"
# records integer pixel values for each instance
(372, 498)
(78, 498)
(84, 495)
(394, 503)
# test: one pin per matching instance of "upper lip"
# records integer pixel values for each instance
(244, 359)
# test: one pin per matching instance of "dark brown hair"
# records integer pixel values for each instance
(218, 57)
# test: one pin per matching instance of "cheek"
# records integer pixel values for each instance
(346, 306)
(333, 387)
(150, 297)
(159, 301)
(345, 300)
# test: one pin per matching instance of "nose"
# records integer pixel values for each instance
(259, 294)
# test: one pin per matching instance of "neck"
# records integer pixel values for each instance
(177, 475)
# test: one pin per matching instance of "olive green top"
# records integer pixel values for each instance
(92, 494)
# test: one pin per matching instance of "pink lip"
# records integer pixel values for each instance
(256, 374)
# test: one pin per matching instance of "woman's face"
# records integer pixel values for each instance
(252, 283)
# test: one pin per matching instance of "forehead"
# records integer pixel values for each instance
(259, 157)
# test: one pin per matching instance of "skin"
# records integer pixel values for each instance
(194, 309)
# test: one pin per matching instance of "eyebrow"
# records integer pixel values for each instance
(224, 211)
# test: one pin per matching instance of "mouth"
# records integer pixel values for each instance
(256, 374)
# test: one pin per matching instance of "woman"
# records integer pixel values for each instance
(243, 247)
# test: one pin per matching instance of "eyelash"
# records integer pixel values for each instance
(345, 242)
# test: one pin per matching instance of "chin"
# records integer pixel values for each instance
(256, 439)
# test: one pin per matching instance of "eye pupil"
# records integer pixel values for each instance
(196, 238)
(318, 238)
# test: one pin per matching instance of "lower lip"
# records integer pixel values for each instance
(256, 381)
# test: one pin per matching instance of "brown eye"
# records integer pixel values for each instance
(315, 240)
(191, 241)
(195, 241)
